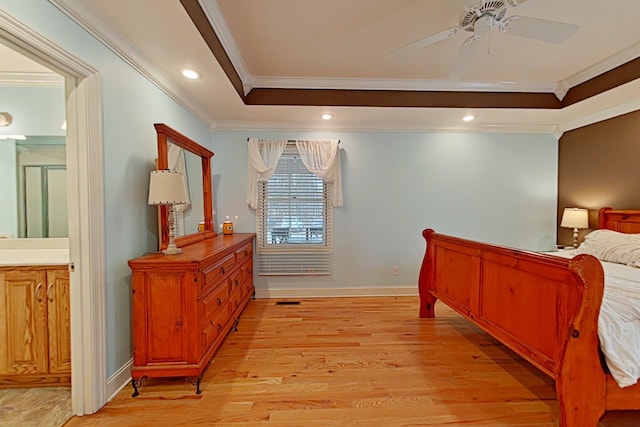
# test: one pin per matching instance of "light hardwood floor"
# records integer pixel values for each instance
(350, 362)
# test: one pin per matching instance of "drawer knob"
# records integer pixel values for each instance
(179, 324)
(222, 270)
(246, 253)
(219, 301)
(219, 327)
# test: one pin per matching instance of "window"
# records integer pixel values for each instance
(295, 219)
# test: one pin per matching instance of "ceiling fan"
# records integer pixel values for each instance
(480, 18)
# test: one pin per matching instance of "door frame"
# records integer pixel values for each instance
(85, 209)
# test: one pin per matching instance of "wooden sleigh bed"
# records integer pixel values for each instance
(545, 308)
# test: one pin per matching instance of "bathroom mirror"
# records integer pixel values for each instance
(196, 159)
(33, 187)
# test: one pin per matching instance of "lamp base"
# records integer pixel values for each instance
(172, 250)
(575, 237)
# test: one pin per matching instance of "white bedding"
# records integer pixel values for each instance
(619, 321)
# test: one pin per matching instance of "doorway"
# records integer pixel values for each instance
(85, 208)
(33, 190)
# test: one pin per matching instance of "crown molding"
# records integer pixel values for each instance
(615, 111)
(27, 79)
(88, 18)
(395, 84)
(214, 15)
(561, 89)
(237, 125)
(617, 59)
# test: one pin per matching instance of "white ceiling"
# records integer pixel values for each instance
(17, 69)
(346, 44)
(351, 39)
(14, 62)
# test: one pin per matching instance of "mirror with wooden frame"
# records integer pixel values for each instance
(166, 137)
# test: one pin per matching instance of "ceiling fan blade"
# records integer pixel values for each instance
(539, 29)
(464, 57)
(424, 42)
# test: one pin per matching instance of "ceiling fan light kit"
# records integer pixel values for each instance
(480, 18)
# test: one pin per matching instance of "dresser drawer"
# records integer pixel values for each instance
(236, 281)
(214, 328)
(247, 287)
(214, 301)
(218, 272)
(246, 269)
(244, 253)
(235, 299)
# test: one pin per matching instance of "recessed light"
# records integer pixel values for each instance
(468, 118)
(326, 116)
(191, 74)
(5, 119)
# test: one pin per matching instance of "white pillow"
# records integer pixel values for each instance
(612, 246)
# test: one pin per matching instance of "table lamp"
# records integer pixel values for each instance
(575, 218)
(168, 187)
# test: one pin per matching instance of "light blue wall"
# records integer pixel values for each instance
(495, 188)
(131, 105)
(38, 113)
(35, 110)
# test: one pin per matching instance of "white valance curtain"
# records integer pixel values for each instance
(321, 158)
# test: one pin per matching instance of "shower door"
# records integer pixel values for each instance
(45, 208)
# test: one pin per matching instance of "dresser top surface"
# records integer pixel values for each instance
(195, 253)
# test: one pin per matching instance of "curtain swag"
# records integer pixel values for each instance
(321, 158)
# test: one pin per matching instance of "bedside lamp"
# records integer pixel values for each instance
(575, 218)
(168, 187)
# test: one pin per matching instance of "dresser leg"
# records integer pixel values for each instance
(198, 391)
(136, 383)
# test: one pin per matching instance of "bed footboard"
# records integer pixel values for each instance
(542, 307)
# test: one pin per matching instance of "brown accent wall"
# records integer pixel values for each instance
(598, 166)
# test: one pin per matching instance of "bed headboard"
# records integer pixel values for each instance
(624, 221)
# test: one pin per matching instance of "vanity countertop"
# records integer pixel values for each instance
(18, 257)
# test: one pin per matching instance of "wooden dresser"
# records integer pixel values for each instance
(184, 305)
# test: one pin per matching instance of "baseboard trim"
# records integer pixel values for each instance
(335, 292)
(119, 380)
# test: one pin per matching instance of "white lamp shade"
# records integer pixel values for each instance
(167, 188)
(575, 218)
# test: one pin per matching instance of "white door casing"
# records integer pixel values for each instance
(85, 209)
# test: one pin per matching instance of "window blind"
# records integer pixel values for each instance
(295, 220)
